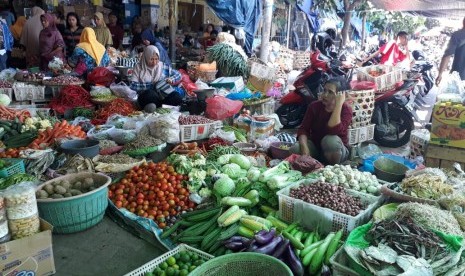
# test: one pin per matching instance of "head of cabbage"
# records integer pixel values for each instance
(232, 170)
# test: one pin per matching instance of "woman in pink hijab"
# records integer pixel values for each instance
(50, 41)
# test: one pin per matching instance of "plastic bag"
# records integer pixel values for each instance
(83, 122)
(166, 127)
(452, 84)
(220, 108)
(100, 132)
(122, 136)
(122, 90)
(100, 91)
(201, 85)
(265, 143)
(101, 76)
(228, 136)
(8, 74)
(369, 150)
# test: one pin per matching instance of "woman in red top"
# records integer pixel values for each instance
(324, 130)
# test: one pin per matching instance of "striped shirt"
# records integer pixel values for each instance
(174, 76)
(71, 39)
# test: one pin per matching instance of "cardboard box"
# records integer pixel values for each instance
(448, 125)
(261, 85)
(29, 256)
(233, 84)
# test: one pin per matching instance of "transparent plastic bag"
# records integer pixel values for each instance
(225, 135)
(122, 136)
(368, 151)
(100, 91)
(451, 83)
(266, 142)
(100, 132)
(166, 127)
(122, 90)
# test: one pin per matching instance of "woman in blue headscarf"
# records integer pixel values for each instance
(149, 38)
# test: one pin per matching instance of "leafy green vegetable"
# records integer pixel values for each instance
(224, 159)
(240, 160)
(266, 194)
(253, 174)
(224, 186)
(232, 170)
(278, 182)
(281, 168)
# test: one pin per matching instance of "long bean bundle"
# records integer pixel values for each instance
(229, 61)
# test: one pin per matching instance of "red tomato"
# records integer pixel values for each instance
(146, 187)
(163, 187)
(171, 202)
(119, 197)
(181, 203)
(132, 210)
(140, 212)
(191, 204)
(160, 194)
(173, 212)
(179, 177)
(119, 192)
(151, 165)
(151, 196)
(162, 225)
(133, 204)
(140, 195)
(132, 192)
(140, 201)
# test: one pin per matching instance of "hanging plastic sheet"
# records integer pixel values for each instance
(240, 14)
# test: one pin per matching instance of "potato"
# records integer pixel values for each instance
(41, 194)
(57, 196)
(92, 188)
(77, 185)
(49, 188)
(60, 190)
(67, 195)
(87, 183)
(75, 192)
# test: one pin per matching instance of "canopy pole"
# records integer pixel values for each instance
(173, 22)
(288, 25)
(266, 29)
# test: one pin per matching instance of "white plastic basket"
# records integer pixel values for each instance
(28, 92)
(150, 266)
(198, 131)
(386, 81)
(33, 109)
(310, 216)
(361, 134)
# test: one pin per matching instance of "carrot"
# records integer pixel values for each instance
(64, 123)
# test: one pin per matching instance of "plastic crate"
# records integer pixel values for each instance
(386, 81)
(150, 266)
(310, 215)
(28, 92)
(361, 134)
(33, 109)
(7, 91)
(17, 166)
(339, 263)
(198, 131)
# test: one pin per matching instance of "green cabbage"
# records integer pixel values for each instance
(253, 174)
(4, 100)
(240, 160)
(224, 186)
(232, 170)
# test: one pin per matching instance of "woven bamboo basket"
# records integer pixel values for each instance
(301, 60)
(363, 104)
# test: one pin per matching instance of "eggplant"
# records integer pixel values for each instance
(264, 237)
(270, 247)
(325, 271)
(252, 246)
(241, 239)
(281, 248)
(294, 262)
(234, 246)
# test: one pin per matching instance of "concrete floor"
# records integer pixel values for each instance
(105, 249)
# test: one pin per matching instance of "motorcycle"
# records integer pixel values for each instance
(393, 115)
(424, 67)
(307, 87)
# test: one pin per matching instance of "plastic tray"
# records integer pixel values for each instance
(388, 80)
(198, 131)
(150, 266)
(361, 134)
(29, 92)
(17, 166)
(339, 263)
(310, 215)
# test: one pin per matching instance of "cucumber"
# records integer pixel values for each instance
(229, 232)
(189, 214)
(191, 240)
(210, 239)
(200, 229)
(203, 216)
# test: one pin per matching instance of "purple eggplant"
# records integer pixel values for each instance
(252, 246)
(270, 247)
(281, 248)
(264, 237)
(294, 262)
(325, 271)
(241, 239)
(234, 246)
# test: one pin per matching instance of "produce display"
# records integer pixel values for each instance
(350, 178)
(66, 188)
(29, 76)
(63, 80)
(328, 196)
(193, 120)
(426, 186)
(180, 264)
(59, 131)
(71, 96)
(13, 114)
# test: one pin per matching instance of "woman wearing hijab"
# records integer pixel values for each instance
(17, 28)
(102, 32)
(152, 79)
(30, 37)
(72, 33)
(50, 41)
(88, 54)
(149, 38)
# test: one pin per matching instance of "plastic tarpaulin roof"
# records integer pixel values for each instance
(429, 8)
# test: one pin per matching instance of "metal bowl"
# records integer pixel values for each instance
(124, 71)
(389, 170)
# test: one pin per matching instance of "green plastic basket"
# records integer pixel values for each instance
(16, 166)
(244, 264)
(77, 213)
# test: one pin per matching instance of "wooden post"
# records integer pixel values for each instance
(288, 37)
(266, 29)
(173, 24)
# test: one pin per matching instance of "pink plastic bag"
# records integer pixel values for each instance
(220, 108)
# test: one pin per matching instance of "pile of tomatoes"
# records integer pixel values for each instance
(154, 191)
(11, 153)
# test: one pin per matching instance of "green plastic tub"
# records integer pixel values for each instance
(77, 213)
(243, 264)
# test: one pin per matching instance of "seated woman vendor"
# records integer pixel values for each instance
(88, 54)
(153, 81)
(324, 130)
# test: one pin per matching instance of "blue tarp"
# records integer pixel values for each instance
(239, 14)
(312, 15)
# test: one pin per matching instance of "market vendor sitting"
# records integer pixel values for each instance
(324, 130)
(153, 80)
(88, 54)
